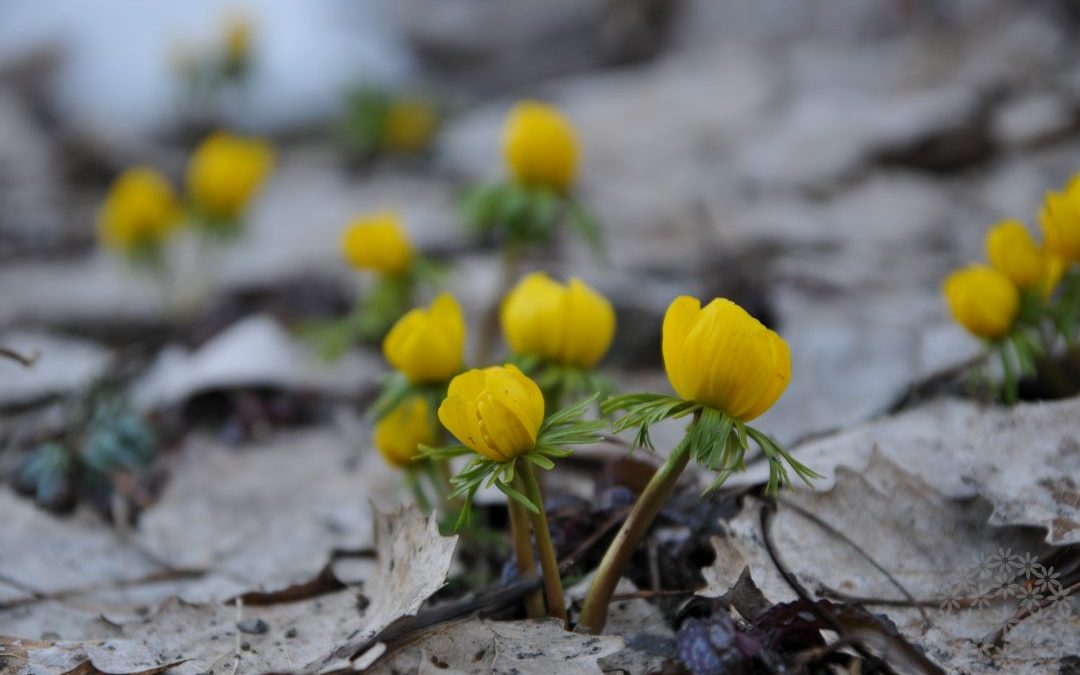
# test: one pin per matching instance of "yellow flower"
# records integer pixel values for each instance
(540, 147)
(237, 42)
(428, 345)
(571, 325)
(982, 300)
(1060, 222)
(723, 358)
(1053, 270)
(225, 172)
(399, 433)
(496, 411)
(1013, 252)
(139, 211)
(410, 125)
(378, 242)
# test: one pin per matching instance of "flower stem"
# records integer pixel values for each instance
(549, 564)
(595, 610)
(523, 552)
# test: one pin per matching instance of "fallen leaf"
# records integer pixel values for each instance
(501, 647)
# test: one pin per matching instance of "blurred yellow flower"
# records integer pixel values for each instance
(410, 125)
(238, 32)
(540, 147)
(428, 345)
(378, 242)
(1013, 252)
(723, 358)
(140, 211)
(403, 429)
(225, 172)
(1060, 222)
(1054, 267)
(572, 325)
(982, 300)
(496, 411)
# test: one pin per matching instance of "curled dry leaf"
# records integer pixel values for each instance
(1024, 460)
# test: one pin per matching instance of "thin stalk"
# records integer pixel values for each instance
(509, 266)
(412, 479)
(595, 610)
(523, 552)
(549, 564)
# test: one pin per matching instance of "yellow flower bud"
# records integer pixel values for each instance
(139, 211)
(1013, 252)
(723, 358)
(982, 300)
(540, 147)
(496, 411)
(378, 242)
(225, 172)
(571, 325)
(428, 345)
(410, 125)
(403, 429)
(1060, 222)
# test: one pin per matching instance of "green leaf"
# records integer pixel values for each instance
(443, 453)
(587, 226)
(540, 460)
(510, 492)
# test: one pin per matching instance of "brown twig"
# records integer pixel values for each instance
(826, 592)
(25, 361)
(815, 519)
(998, 636)
(651, 594)
(767, 512)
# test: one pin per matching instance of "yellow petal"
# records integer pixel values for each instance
(1060, 223)
(378, 242)
(497, 411)
(540, 147)
(225, 172)
(588, 325)
(140, 210)
(1012, 251)
(427, 345)
(779, 376)
(679, 319)
(399, 433)
(982, 300)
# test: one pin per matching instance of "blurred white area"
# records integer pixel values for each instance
(118, 75)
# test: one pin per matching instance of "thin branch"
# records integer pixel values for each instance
(998, 636)
(25, 361)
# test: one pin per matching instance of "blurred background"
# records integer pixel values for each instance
(823, 164)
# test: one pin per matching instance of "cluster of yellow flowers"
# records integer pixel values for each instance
(141, 210)
(726, 367)
(1027, 291)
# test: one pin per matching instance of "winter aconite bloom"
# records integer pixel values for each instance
(399, 433)
(1060, 221)
(982, 300)
(495, 411)
(428, 345)
(410, 125)
(540, 147)
(570, 324)
(723, 358)
(378, 242)
(1012, 251)
(225, 172)
(139, 212)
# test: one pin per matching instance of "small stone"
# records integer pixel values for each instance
(253, 626)
(291, 633)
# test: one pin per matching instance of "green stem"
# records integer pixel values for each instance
(523, 552)
(595, 610)
(549, 563)
(412, 479)
(510, 263)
